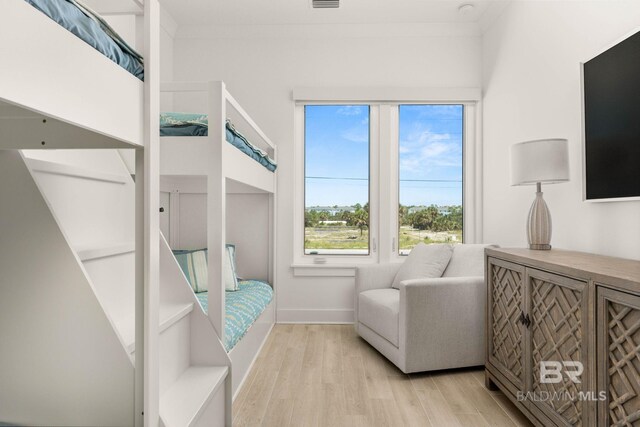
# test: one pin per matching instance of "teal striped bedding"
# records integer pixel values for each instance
(242, 308)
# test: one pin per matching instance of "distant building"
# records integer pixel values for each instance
(331, 210)
(442, 210)
(333, 222)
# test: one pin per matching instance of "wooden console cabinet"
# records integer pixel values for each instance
(555, 308)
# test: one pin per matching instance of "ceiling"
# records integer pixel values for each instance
(287, 12)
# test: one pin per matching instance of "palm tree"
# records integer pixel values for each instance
(360, 219)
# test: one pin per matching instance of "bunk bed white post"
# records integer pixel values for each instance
(148, 319)
(140, 285)
(216, 218)
(216, 204)
(273, 222)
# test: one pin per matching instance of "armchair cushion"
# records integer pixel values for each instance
(466, 261)
(424, 262)
(378, 310)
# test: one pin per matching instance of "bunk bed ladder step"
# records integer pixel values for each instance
(196, 398)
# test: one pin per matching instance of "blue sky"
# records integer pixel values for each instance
(337, 154)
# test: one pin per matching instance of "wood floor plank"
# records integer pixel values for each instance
(352, 344)
(482, 400)
(375, 375)
(333, 410)
(252, 412)
(278, 347)
(378, 415)
(306, 412)
(326, 375)
(298, 338)
(243, 392)
(453, 393)
(391, 411)
(407, 400)
(434, 403)
(308, 391)
(332, 356)
(289, 374)
(514, 413)
(278, 413)
(471, 420)
(355, 386)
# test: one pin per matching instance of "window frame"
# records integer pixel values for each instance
(384, 175)
(395, 143)
(300, 257)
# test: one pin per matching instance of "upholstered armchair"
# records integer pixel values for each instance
(427, 323)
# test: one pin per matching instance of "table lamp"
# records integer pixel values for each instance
(536, 162)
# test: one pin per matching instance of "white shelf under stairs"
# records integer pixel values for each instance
(170, 314)
(94, 210)
(186, 402)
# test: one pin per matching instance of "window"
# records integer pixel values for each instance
(336, 180)
(430, 164)
(374, 177)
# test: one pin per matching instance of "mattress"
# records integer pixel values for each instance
(242, 308)
(187, 124)
(93, 30)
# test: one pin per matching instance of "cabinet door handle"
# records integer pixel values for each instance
(524, 319)
(521, 318)
(527, 321)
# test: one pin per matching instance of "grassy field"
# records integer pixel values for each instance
(335, 238)
(341, 237)
(410, 237)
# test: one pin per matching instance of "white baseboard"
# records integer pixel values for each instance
(315, 316)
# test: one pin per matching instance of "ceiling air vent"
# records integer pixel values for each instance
(325, 4)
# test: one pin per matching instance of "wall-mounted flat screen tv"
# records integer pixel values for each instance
(611, 89)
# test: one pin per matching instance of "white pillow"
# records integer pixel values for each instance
(230, 279)
(424, 262)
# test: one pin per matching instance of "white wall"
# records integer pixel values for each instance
(531, 82)
(261, 66)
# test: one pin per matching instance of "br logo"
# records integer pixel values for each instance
(551, 371)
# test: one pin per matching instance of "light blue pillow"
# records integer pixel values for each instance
(194, 266)
(230, 275)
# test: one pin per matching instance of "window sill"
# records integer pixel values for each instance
(302, 269)
(326, 270)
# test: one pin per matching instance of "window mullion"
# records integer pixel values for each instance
(387, 187)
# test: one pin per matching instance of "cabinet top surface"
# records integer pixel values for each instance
(580, 264)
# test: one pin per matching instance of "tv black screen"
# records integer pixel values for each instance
(612, 122)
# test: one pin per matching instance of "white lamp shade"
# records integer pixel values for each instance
(543, 160)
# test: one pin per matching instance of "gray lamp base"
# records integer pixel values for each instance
(540, 247)
(539, 223)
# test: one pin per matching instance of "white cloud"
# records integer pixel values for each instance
(357, 134)
(350, 110)
(423, 151)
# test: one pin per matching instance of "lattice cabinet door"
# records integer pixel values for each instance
(618, 341)
(557, 331)
(505, 282)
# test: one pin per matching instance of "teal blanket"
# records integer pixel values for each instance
(242, 308)
(93, 30)
(188, 124)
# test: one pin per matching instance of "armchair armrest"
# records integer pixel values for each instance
(442, 321)
(375, 276)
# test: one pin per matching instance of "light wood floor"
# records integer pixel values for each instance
(325, 375)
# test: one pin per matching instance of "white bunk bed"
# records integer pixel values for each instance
(215, 194)
(90, 334)
(50, 74)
